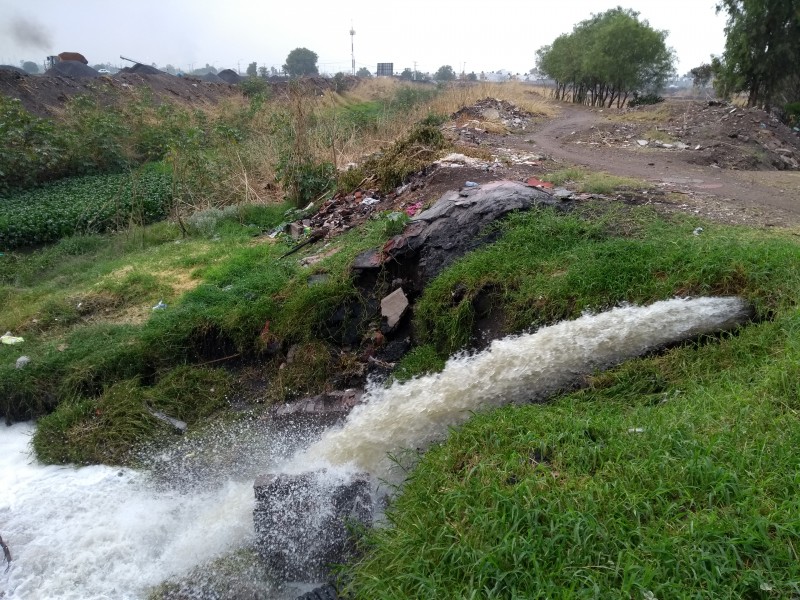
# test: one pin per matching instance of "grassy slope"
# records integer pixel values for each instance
(84, 309)
(673, 476)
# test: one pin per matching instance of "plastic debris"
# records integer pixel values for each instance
(9, 339)
(471, 184)
(413, 209)
(538, 183)
(369, 201)
(697, 231)
(160, 306)
(22, 361)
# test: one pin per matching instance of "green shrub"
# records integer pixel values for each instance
(644, 99)
(32, 149)
(793, 113)
(305, 181)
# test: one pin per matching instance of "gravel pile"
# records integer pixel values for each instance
(72, 69)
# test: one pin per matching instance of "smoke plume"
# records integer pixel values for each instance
(29, 34)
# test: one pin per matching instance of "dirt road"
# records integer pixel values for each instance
(769, 198)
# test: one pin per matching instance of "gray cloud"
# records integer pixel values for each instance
(29, 34)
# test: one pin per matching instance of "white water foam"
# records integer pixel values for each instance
(520, 368)
(100, 532)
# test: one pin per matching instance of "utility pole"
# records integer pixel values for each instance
(352, 48)
(415, 71)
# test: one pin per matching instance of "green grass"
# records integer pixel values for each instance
(594, 182)
(673, 475)
(549, 266)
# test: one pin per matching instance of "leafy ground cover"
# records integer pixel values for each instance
(81, 205)
(672, 476)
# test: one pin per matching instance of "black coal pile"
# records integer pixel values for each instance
(16, 70)
(212, 78)
(141, 69)
(229, 76)
(72, 69)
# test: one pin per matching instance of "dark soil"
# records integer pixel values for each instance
(46, 95)
(599, 140)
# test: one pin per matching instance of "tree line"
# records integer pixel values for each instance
(607, 58)
(762, 52)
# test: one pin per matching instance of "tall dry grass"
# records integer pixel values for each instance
(249, 172)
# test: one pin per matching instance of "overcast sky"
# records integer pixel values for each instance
(484, 35)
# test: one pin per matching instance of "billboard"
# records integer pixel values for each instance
(385, 69)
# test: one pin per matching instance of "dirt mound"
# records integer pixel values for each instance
(213, 78)
(72, 69)
(705, 133)
(46, 95)
(141, 69)
(229, 76)
(16, 70)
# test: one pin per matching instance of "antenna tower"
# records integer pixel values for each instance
(352, 50)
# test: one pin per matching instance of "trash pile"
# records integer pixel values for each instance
(715, 133)
(490, 115)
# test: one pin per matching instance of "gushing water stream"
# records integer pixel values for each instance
(100, 532)
(514, 369)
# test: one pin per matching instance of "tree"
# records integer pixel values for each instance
(762, 51)
(252, 69)
(301, 61)
(30, 67)
(262, 72)
(363, 72)
(606, 58)
(472, 77)
(445, 73)
(407, 74)
(701, 75)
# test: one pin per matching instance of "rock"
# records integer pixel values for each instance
(562, 193)
(324, 409)
(642, 142)
(179, 425)
(296, 230)
(450, 228)
(490, 114)
(22, 361)
(681, 145)
(301, 521)
(393, 307)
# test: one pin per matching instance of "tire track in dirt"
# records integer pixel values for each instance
(745, 191)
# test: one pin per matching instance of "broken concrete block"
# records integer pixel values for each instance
(301, 521)
(296, 230)
(393, 307)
